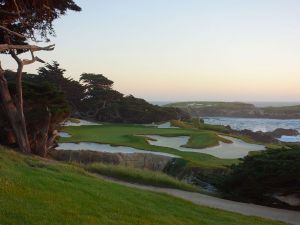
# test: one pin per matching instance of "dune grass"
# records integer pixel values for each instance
(36, 191)
(140, 176)
(129, 135)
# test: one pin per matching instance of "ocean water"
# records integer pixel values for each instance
(258, 124)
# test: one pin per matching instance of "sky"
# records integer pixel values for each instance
(174, 50)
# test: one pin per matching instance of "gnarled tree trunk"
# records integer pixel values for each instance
(16, 117)
(42, 137)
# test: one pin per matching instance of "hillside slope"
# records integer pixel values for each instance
(38, 191)
(236, 109)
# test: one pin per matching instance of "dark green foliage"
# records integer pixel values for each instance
(95, 81)
(99, 95)
(175, 166)
(260, 176)
(53, 74)
(96, 99)
(135, 110)
(40, 92)
(40, 100)
(103, 103)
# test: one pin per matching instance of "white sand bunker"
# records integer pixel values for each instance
(107, 148)
(80, 123)
(64, 134)
(236, 149)
(160, 126)
(165, 125)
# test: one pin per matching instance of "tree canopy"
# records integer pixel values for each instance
(30, 19)
(22, 22)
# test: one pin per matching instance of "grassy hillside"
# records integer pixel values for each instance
(203, 104)
(35, 191)
(237, 109)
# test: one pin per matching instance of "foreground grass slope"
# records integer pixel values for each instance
(35, 191)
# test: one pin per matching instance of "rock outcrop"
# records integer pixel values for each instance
(281, 131)
(137, 160)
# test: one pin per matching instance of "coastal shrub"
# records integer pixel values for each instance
(261, 176)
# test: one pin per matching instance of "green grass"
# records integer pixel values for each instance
(126, 135)
(202, 141)
(277, 147)
(205, 140)
(36, 191)
(141, 176)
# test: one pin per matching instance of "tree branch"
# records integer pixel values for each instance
(17, 7)
(12, 32)
(7, 13)
(18, 80)
(32, 60)
(33, 48)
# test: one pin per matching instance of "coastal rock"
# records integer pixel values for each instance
(137, 160)
(258, 136)
(280, 132)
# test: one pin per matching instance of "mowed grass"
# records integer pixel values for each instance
(140, 176)
(128, 135)
(35, 191)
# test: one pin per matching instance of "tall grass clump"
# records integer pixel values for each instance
(141, 176)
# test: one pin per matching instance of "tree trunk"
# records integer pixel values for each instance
(42, 137)
(16, 117)
(19, 100)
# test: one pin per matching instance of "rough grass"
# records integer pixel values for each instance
(205, 140)
(141, 176)
(130, 135)
(277, 147)
(34, 191)
(196, 124)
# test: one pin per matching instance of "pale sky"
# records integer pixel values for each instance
(161, 50)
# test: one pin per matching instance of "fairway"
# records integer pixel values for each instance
(128, 135)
